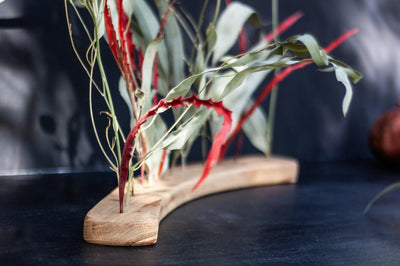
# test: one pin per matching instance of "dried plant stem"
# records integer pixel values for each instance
(198, 29)
(108, 98)
(113, 166)
(274, 94)
(185, 25)
(72, 40)
(91, 60)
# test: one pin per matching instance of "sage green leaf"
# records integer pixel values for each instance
(297, 49)
(211, 38)
(199, 64)
(184, 86)
(387, 190)
(353, 74)
(98, 10)
(218, 85)
(129, 7)
(236, 81)
(178, 138)
(145, 24)
(341, 76)
(146, 20)
(174, 45)
(147, 71)
(78, 3)
(318, 55)
(237, 100)
(153, 134)
(239, 78)
(228, 27)
(249, 58)
(256, 129)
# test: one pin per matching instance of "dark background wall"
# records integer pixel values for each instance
(44, 97)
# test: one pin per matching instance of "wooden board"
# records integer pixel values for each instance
(138, 225)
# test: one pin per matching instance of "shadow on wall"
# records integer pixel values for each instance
(41, 104)
(44, 109)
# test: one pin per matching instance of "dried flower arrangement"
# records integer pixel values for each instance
(210, 91)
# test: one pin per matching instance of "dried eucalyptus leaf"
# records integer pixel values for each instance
(174, 45)
(153, 134)
(129, 7)
(256, 129)
(146, 20)
(297, 49)
(341, 76)
(249, 58)
(98, 13)
(239, 78)
(211, 38)
(239, 99)
(228, 27)
(199, 64)
(343, 72)
(145, 24)
(184, 86)
(351, 73)
(78, 3)
(318, 55)
(147, 71)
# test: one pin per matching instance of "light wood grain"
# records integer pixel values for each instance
(138, 225)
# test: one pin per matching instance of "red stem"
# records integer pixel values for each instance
(287, 23)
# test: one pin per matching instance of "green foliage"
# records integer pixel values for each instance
(209, 71)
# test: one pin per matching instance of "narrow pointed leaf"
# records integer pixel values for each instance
(341, 76)
(147, 71)
(256, 129)
(228, 27)
(319, 56)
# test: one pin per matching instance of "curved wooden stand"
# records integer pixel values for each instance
(138, 225)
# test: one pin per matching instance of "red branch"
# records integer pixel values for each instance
(276, 80)
(242, 41)
(123, 52)
(287, 23)
(160, 168)
(155, 67)
(213, 155)
(112, 37)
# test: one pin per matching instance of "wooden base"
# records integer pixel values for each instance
(138, 225)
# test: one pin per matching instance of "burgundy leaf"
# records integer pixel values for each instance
(111, 34)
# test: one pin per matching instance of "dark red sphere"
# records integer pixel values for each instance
(384, 139)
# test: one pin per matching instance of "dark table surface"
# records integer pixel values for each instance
(318, 221)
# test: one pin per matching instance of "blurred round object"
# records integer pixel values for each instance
(384, 139)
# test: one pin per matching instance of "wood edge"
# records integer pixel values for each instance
(105, 226)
